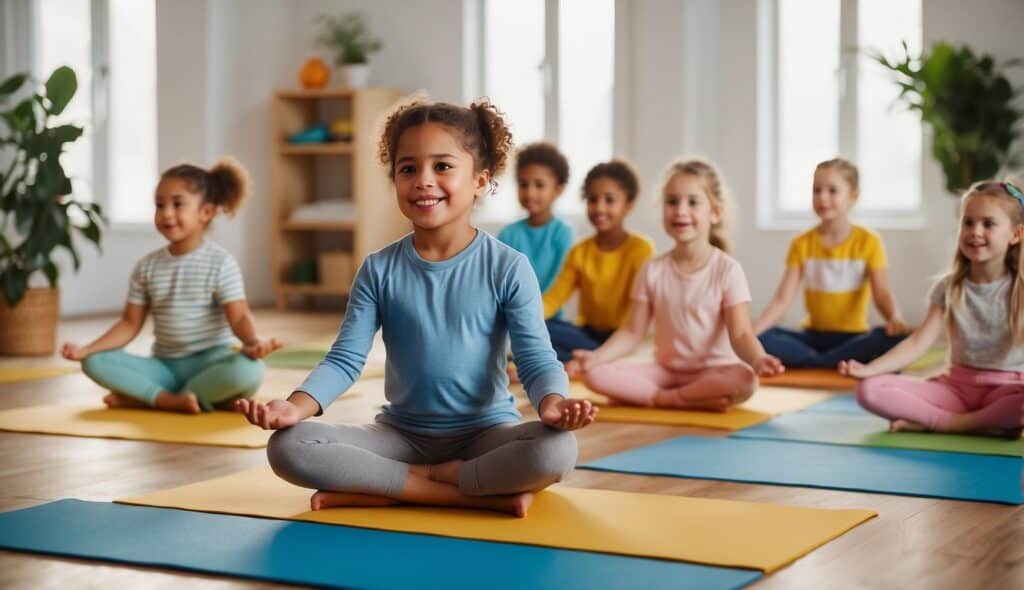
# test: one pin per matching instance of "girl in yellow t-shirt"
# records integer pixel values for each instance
(841, 266)
(602, 267)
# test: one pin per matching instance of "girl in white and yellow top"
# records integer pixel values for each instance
(842, 266)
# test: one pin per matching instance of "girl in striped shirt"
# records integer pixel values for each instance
(193, 289)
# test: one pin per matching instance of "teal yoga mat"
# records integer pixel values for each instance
(867, 430)
(955, 476)
(332, 556)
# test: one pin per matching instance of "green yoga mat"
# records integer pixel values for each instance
(871, 431)
(295, 358)
(309, 357)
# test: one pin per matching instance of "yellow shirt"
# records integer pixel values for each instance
(604, 279)
(836, 286)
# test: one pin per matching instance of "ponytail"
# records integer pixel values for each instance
(225, 185)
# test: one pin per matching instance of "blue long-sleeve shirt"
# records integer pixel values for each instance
(445, 327)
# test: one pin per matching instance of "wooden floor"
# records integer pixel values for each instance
(914, 543)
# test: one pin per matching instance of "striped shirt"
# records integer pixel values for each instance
(837, 288)
(185, 294)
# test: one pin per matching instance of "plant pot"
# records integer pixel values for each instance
(355, 75)
(30, 327)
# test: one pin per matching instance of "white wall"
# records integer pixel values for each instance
(688, 85)
(218, 63)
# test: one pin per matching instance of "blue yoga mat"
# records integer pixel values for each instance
(956, 476)
(331, 556)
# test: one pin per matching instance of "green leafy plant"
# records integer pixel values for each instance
(37, 213)
(968, 103)
(348, 36)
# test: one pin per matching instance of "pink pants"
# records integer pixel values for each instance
(995, 398)
(636, 383)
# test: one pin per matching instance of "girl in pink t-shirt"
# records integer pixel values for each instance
(706, 353)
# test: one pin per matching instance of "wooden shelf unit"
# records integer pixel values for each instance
(303, 173)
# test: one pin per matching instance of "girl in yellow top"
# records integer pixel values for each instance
(602, 267)
(842, 266)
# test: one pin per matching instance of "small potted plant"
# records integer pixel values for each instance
(348, 36)
(38, 216)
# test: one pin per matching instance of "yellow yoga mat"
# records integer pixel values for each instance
(701, 530)
(765, 403)
(813, 379)
(222, 429)
(15, 374)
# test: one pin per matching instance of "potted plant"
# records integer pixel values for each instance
(348, 36)
(37, 213)
(967, 102)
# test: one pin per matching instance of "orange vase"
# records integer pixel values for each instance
(314, 73)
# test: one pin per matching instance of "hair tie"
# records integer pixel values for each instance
(1013, 192)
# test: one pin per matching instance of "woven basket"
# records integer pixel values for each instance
(30, 328)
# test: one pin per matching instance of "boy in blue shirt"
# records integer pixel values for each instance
(541, 172)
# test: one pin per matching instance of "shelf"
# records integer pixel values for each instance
(315, 93)
(296, 225)
(315, 149)
(311, 289)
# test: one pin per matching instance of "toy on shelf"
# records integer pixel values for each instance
(338, 130)
(314, 74)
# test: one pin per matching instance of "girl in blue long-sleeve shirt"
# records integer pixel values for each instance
(447, 297)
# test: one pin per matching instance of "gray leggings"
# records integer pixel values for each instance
(375, 459)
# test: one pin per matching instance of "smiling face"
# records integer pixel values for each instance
(180, 213)
(688, 212)
(833, 194)
(986, 229)
(435, 180)
(607, 204)
(538, 188)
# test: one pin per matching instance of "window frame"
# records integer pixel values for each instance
(18, 17)
(770, 213)
(475, 82)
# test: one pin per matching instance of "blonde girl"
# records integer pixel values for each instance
(980, 303)
(706, 354)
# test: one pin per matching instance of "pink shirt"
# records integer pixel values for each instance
(689, 327)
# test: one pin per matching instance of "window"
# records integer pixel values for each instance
(821, 97)
(111, 45)
(549, 64)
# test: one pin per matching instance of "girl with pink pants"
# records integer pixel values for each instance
(706, 353)
(981, 305)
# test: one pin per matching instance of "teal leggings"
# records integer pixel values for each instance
(215, 375)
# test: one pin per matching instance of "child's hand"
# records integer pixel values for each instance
(573, 368)
(566, 414)
(584, 360)
(73, 352)
(896, 327)
(855, 369)
(768, 366)
(270, 416)
(260, 348)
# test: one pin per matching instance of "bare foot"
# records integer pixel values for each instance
(901, 425)
(517, 505)
(520, 504)
(185, 403)
(573, 369)
(120, 400)
(513, 374)
(324, 499)
(670, 399)
(447, 472)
